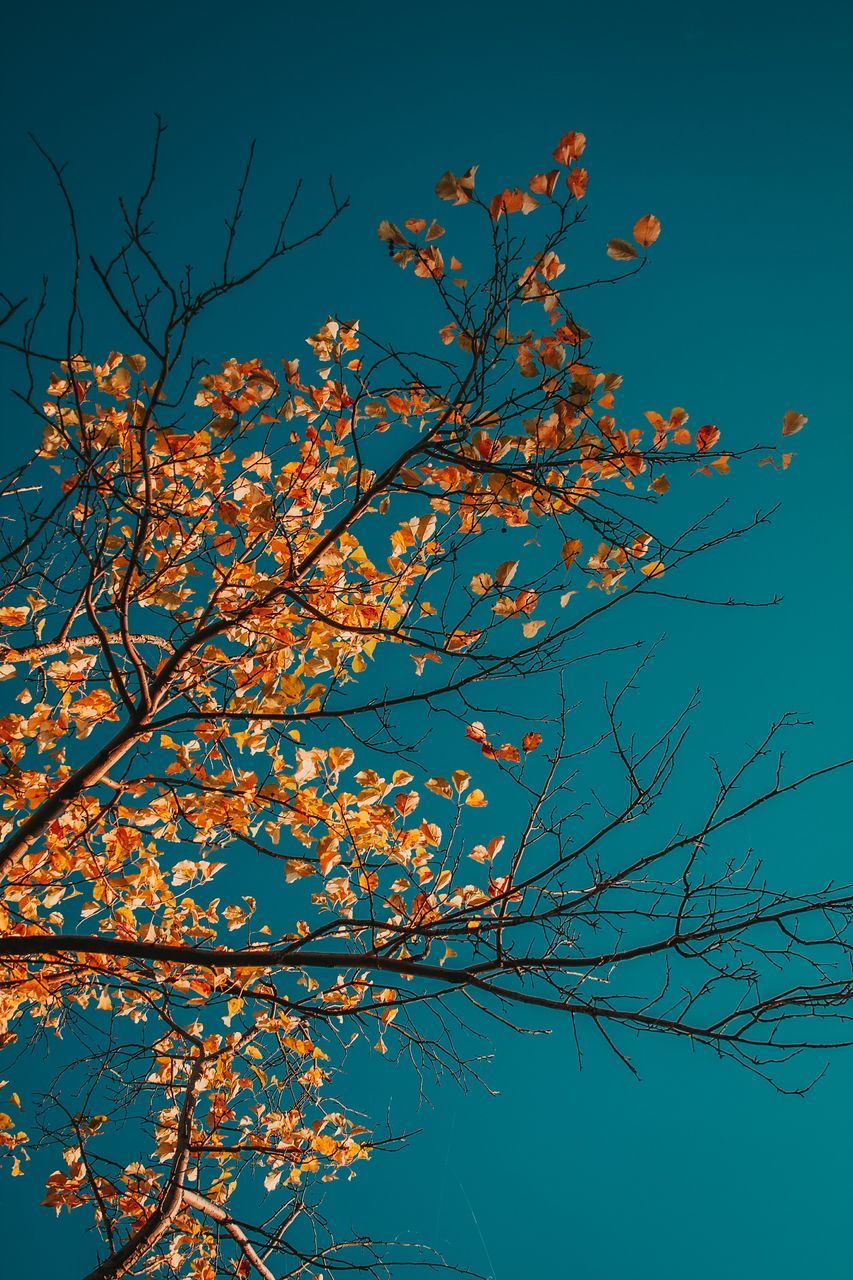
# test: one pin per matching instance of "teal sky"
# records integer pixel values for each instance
(732, 123)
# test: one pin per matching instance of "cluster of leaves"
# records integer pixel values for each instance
(211, 578)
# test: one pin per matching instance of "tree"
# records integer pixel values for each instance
(239, 605)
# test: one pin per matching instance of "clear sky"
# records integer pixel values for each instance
(732, 122)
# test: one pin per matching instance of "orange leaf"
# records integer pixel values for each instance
(570, 147)
(577, 182)
(706, 438)
(543, 184)
(406, 802)
(654, 569)
(647, 230)
(515, 201)
(793, 422)
(571, 551)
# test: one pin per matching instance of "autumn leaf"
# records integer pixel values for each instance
(14, 615)
(620, 250)
(577, 182)
(570, 147)
(647, 230)
(544, 184)
(653, 569)
(515, 201)
(532, 628)
(430, 264)
(406, 803)
(706, 438)
(476, 731)
(793, 422)
(459, 190)
(341, 758)
(570, 551)
(391, 233)
(505, 572)
(481, 583)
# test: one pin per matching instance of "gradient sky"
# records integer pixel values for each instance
(732, 123)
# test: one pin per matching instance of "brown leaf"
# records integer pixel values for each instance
(505, 572)
(793, 422)
(458, 189)
(391, 233)
(621, 250)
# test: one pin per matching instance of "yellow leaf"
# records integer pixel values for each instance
(341, 757)
(532, 628)
(654, 569)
